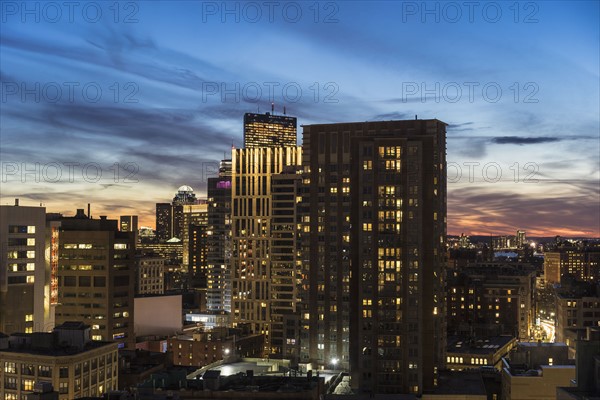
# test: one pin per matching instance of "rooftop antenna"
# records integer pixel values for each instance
(415, 117)
(258, 108)
(272, 108)
(284, 113)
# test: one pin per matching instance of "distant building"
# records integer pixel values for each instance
(96, 276)
(521, 239)
(164, 221)
(171, 251)
(579, 262)
(169, 216)
(195, 236)
(269, 130)
(129, 223)
(67, 358)
(25, 277)
(150, 271)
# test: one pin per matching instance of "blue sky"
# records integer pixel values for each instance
(157, 91)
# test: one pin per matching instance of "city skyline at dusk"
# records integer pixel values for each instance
(116, 105)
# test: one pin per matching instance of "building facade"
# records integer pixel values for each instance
(24, 274)
(286, 262)
(581, 263)
(492, 299)
(96, 277)
(252, 291)
(218, 240)
(576, 311)
(203, 348)
(373, 242)
(150, 272)
(194, 234)
(75, 365)
(269, 130)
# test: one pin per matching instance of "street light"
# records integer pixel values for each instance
(334, 362)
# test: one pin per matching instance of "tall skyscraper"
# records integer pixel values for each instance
(218, 297)
(252, 292)
(193, 234)
(373, 245)
(164, 221)
(521, 239)
(270, 146)
(268, 130)
(185, 196)
(96, 277)
(169, 216)
(24, 273)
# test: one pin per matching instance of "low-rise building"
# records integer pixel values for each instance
(530, 384)
(205, 347)
(471, 353)
(535, 370)
(67, 358)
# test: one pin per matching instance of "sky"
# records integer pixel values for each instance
(118, 104)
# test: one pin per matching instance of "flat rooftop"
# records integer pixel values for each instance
(465, 345)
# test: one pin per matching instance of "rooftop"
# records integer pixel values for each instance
(461, 344)
(460, 383)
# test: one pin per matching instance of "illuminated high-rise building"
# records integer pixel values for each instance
(169, 216)
(253, 297)
(521, 239)
(268, 130)
(164, 221)
(373, 248)
(218, 296)
(193, 233)
(24, 283)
